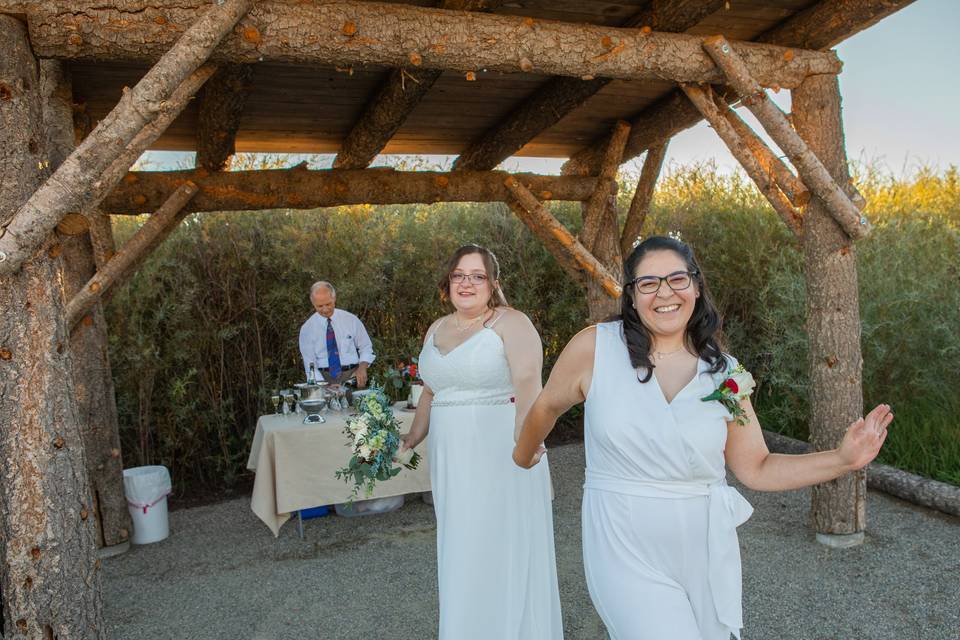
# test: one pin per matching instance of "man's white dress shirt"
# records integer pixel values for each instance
(353, 343)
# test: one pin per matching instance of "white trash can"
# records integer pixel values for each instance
(147, 489)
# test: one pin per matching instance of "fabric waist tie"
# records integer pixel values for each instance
(726, 510)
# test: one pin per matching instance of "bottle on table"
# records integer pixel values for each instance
(313, 375)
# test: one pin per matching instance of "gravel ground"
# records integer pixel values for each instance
(221, 574)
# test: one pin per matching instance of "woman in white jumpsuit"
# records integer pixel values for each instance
(660, 546)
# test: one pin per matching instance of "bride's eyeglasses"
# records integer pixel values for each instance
(476, 279)
(677, 281)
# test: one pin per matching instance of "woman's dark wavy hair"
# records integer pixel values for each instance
(703, 329)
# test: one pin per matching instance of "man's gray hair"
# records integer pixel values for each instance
(322, 284)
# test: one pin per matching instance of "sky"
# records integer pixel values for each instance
(901, 102)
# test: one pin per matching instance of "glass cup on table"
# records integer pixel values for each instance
(275, 399)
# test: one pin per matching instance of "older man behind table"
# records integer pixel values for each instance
(334, 340)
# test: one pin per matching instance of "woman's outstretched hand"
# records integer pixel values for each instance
(863, 439)
(532, 462)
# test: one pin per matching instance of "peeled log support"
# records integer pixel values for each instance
(49, 575)
(299, 188)
(833, 319)
(702, 99)
(775, 122)
(132, 253)
(642, 198)
(72, 186)
(542, 222)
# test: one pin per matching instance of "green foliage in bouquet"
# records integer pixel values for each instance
(374, 439)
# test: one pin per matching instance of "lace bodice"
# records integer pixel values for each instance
(475, 369)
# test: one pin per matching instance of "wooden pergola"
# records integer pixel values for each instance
(86, 87)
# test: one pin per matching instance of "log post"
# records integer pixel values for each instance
(833, 318)
(69, 188)
(49, 577)
(91, 373)
(542, 223)
(600, 233)
(775, 122)
(642, 198)
(132, 253)
(221, 105)
(702, 100)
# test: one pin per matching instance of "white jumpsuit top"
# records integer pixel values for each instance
(660, 545)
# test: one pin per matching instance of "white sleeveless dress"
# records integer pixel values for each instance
(660, 546)
(495, 556)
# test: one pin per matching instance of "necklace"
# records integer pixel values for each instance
(463, 327)
(660, 355)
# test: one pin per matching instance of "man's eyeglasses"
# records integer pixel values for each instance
(476, 279)
(677, 281)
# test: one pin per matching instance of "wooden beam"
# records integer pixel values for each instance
(772, 165)
(599, 212)
(298, 188)
(642, 197)
(221, 100)
(775, 122)
(559, 96)
(537, 218)
(372, 33)
(68, 189)
(394, 102)
(132, 253)
(702, 99)
(553, 246)
(820, 27)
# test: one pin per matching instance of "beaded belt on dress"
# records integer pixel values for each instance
(474, 401)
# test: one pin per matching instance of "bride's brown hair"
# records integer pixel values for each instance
(490, 264)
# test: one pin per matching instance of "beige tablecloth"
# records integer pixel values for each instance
(295, 463)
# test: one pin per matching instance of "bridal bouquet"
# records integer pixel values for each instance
(374, 438)
(737, 384)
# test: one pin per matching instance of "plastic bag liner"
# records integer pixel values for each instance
(146, 486)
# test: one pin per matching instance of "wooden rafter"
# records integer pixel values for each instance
(395, 101)
(298, 188)
(820, 27)
(390, 34)
(68, 188)
(543, 223)
(775, 122)
(642, 198)
(221, 103)
(702, 99)
(560, 96)
(132, 253)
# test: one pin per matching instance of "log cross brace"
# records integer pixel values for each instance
(776, 123)
(642, 197)
(599, 211)
(543, 224)
(131, 254)
(703, 99)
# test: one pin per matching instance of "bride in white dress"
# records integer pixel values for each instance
(660, 547)
(481, 366)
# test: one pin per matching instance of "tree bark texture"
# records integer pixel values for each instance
(560, 96)
(131, 254)
(814, 174)
(833, 312)
(542, 223)
(49, 580)
(702, 98)
(370, 33)
(221, 104)
(297, 188)
(91, 373)
(820, 27)
(71, 188)
(601, 233)
(642, 198)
